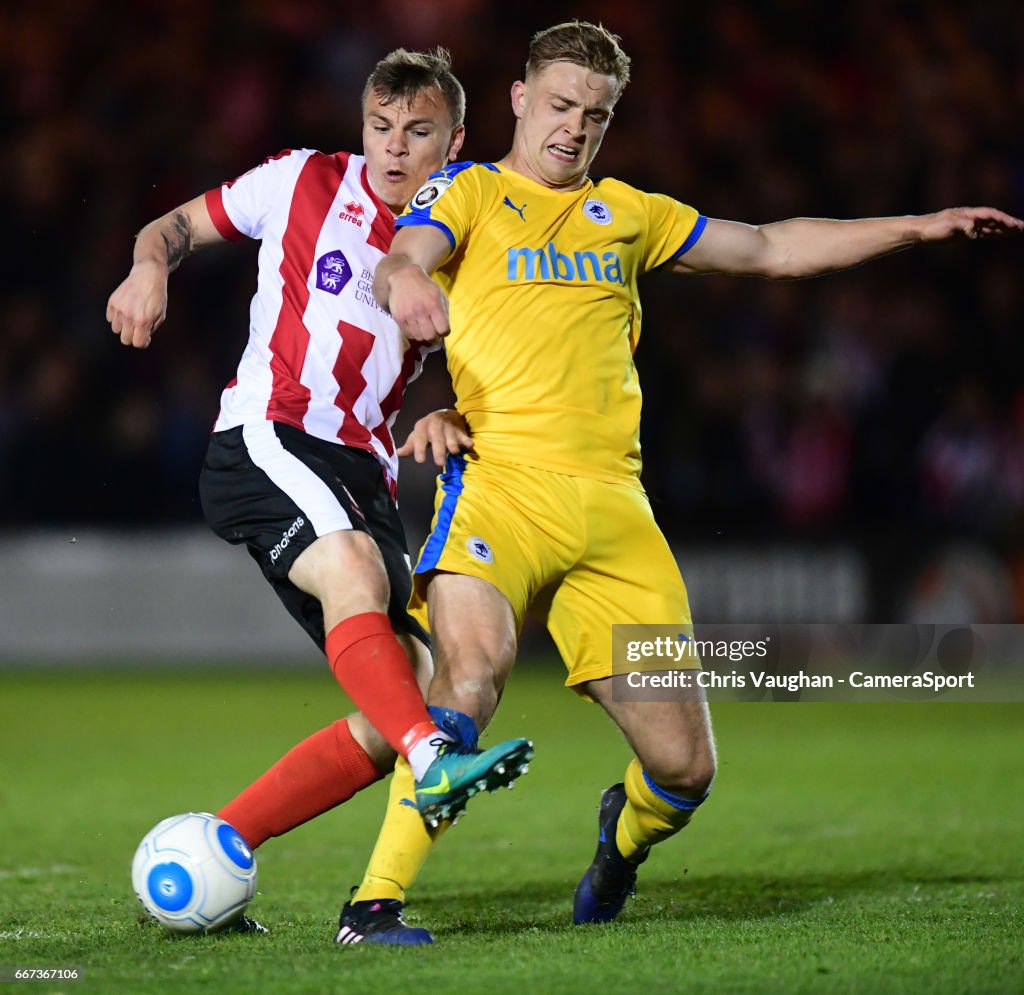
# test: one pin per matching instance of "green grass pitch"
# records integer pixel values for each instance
(845, 848)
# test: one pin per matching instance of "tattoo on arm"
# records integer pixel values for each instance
(178, 240)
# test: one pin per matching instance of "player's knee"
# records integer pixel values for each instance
(356, 557)
(688, 777)
(699, 776)
(343, 567)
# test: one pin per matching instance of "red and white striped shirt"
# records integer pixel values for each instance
(322, 356)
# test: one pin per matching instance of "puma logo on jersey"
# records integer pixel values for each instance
(550, 264)
(518, 210)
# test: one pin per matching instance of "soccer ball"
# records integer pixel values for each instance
(194, 873)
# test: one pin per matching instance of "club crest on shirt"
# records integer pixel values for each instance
(479, 549)
(598, 212)
(333, 272)
(430, 191)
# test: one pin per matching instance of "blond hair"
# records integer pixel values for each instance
(581, 43)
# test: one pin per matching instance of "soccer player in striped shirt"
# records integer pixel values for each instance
(301, 466)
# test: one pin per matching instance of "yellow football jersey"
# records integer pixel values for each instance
(545, 313)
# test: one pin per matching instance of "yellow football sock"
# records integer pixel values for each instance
(650, 814)
(402, 845)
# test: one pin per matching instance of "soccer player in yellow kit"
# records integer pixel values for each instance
(535, 269)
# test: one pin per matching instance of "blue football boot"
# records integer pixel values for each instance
(610, 879)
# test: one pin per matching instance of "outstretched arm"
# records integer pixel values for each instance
(806, 247)
(402, 283)
(139, 305)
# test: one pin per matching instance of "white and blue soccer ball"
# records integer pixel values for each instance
(194, 873)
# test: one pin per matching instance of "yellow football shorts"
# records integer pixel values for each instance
(579, 554)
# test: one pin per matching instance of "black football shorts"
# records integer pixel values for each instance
(277, 490)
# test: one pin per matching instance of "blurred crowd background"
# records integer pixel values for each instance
(882, 407)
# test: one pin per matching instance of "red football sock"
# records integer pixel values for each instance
(321, 772)
(370, 664)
